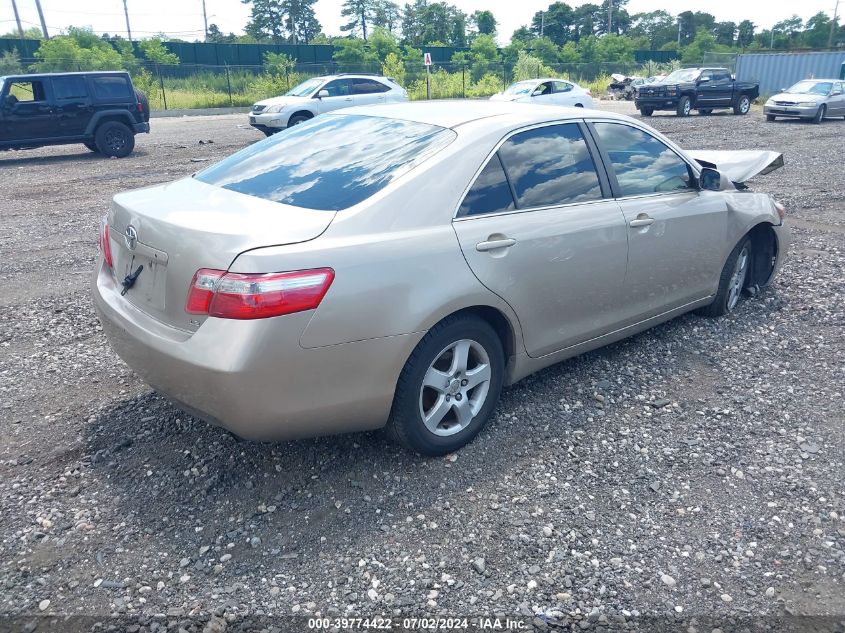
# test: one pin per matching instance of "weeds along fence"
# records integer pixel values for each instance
(187, 86)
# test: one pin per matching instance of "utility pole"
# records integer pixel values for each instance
(17, 19)
(833, 25)
(204, 19)
(679, 31)
(609, 16)
(542, 22)
(126, 13)
(41, 17)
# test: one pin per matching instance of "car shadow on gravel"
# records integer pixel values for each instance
(156, 461)
(85, 156)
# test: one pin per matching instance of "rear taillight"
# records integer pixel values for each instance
(256, 296)
(140, 107)
(105, 245)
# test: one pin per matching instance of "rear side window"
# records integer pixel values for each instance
(643, 164)
(550, 166)
(367, 87)
(330, 162)
(69, 88)
(111, 88)
(490, 193)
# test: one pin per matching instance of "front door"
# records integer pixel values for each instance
(537, 230)
(27, 114)
(340, 96)
(676, 232)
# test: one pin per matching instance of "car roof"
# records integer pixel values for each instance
(452, 113)
(84, 72)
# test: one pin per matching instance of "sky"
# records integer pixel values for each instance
(183, 18)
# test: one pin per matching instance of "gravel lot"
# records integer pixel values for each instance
(691, 476)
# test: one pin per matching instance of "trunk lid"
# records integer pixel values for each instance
(175, 229)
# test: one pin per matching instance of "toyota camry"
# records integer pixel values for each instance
(397, 265)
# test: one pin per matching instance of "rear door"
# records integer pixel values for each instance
(837, 101)
(340, 96)
(716, 91)
(367, 91)
(536, 229)
(72, 103)
(676, 232)
(27, 113)
(563, 93)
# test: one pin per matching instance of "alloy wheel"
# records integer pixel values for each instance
(455, 387)
(737, 282)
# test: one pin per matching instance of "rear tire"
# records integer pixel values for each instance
(743, 105)
(114, 138)
(732, 281)
(646, 111)
(684, 107)
(770, 117)
(92, 147)
(820, 114)
(449, 387)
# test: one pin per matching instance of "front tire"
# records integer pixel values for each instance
(732, 281)
(646, 111)
(297, 119)
(114, 138)
(820, 114)
(770, 117)
(449, 387)
(684, 107)
(743, 105)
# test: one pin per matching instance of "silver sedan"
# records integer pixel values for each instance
(811, 99)
(398, 265)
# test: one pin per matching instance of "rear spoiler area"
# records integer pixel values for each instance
(739, 165)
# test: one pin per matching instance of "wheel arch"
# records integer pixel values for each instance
(306, 113)
(765, 250)
(119, 116)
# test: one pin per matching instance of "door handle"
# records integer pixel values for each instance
(491, 245)
(45, 109)
(642, 220)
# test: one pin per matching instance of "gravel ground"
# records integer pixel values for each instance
(691, 476)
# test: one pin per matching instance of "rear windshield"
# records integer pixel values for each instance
(330, 162)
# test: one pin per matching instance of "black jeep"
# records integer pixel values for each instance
(101, 110)
(702, 89)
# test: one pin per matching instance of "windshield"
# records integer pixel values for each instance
(330, 162)
(520, 88)
(305, 88)
(682, 75)
(811, 88)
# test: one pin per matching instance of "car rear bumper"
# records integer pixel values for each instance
(253, 377)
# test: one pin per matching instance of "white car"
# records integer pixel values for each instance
(548, 91)
(323, 94)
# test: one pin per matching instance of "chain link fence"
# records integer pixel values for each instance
(189, 86)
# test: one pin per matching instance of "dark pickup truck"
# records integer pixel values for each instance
(702, 89)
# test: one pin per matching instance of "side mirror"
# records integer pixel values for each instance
(323, 93)
(704, 80)
(710, 179)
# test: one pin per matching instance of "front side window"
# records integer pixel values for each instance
(330, 162)
(337, 88)
(72, 87)
(26, 91)
(490, 193)
(643, 164)
(550, 166)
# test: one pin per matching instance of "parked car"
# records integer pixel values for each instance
(811, 99)
(702, 89)
(101, 110)
(547, 91)
(323, 94)
(397, 265)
